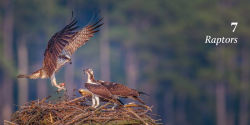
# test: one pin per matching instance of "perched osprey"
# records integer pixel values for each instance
(60, 48)
(99, 91)
(115, 89)
(86, 93)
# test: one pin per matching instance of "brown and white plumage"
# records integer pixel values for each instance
(82, 37)
(60, 48)
(116, 88)
(99, 91)
(89, 95)
(79, 39)
(56, 45)
(122, 90)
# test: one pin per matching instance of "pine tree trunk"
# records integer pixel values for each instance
(169, 107)
(104, 50)
(131, 68)
(243, 117)
(220, 90)
(220, 104)
(181, 118)
(7, 87)
(22, 68)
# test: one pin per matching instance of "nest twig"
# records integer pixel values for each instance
(79, 111)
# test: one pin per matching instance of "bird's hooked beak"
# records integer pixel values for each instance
(85, 71)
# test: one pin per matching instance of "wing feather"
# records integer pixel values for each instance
(56, 44)
(119, 89)
(99, 90)
(83, 36)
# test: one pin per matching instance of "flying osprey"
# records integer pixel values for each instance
(60, 48)
(115, 89)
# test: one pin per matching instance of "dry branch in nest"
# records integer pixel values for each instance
(78, 111)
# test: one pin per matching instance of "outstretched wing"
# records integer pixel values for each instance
(82, 37)
(56, 44)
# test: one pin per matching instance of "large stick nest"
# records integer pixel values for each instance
(79, 111)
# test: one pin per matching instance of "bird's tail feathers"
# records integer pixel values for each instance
(23, 76)
(35, 75)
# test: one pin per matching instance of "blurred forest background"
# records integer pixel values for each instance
(156, 46)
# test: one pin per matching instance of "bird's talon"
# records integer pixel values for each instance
(61, 88)
(61, 85)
